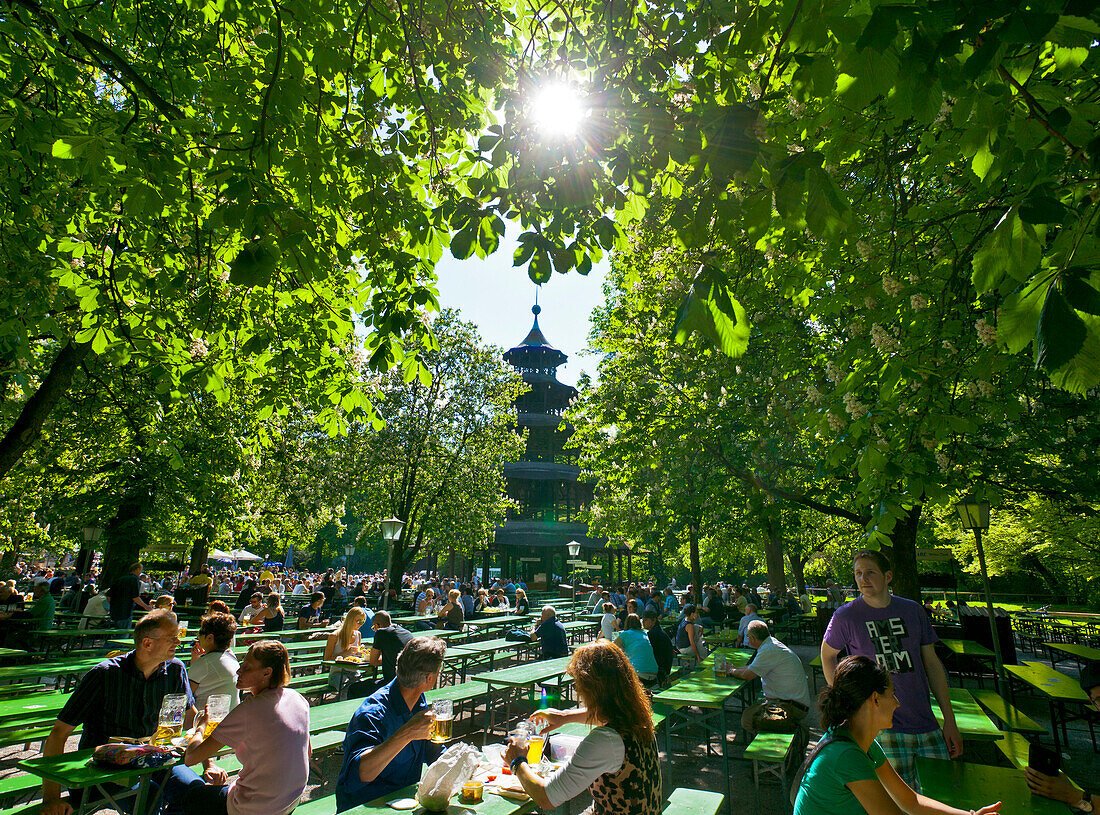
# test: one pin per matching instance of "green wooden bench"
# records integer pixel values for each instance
(22, 809)
(1015, 747)
(318, 806)
(15, 785)
(768, 754)
(23, 689)
(1013, 719)
(686, 801)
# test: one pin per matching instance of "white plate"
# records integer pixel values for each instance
(404, 803)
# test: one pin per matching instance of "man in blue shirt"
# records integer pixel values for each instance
(386, 745)
(551, 634)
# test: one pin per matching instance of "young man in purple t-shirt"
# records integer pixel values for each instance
(896, 633)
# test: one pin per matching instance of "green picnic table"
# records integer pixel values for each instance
(969, 786)
(968, 648)
(72, 770)
(1061, 651)
(442, 633)
(66, 637)
(63, 670)
(1058, 689)
(709, 693)
(972, 721)
(515, 679)
(491, 805)
(37, 707)
(12, 652)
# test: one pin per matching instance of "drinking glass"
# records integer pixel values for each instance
(444, 720)
(170, 720)
(217, 708)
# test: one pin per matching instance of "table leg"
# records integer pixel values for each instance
(726, 760)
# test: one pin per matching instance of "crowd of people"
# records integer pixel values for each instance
(875, 709)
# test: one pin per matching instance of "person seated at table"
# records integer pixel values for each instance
(389, 640)
(783, 682)
(70, 600)
(269, 733)
(743, 625)
(271, 616)
(427, 606)
(310, 616)
(714, 612)
(499, 600)
(342, 644)
(523, 605)
(550, 634)
(689, 635)
(805, 602)
(671, 604)
(165, 602)
(664, 652)
(213, 666)
(617, 762)
(10, 599)
(120, 697)
(365, 629)
(250, 614)
(1060, 787)
(38, 617)
(452, 616)
(638, 649)
(482, 601)
(386, 745)
(468, 600)
(848, 772)
(247, 590)
(609, 622)
(95, 612)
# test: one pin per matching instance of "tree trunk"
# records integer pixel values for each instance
(7, 561)
(696, 568)
(199, 553)
(28, 425)
(773, 554)
(798, 569)
(903, 555)
(125, 534)
(1059, 595)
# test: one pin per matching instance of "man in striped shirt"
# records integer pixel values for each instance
(121, 696)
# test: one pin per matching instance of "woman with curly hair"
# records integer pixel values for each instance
(617, 761)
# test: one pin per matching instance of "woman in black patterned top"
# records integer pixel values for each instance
(617, 761)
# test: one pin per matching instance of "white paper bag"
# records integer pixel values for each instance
(446, 776)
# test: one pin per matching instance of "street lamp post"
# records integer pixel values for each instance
(391, 533)
(349, 550)
(574, 550)
(86, 555)
(975, 516)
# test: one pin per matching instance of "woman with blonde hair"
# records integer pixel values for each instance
(523, 605)
(617, 761)
(452, 616)
(345, 643)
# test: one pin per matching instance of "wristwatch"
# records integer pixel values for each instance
(523, 760)
(1084, 805)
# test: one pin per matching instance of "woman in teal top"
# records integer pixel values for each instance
(848, 773)
(638, 649)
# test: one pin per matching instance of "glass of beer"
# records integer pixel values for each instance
(217, 707)
(534, 749)
(444, 720)
(182, 629)
(170, 720)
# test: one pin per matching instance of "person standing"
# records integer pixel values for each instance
(124, 594)
(896, 633)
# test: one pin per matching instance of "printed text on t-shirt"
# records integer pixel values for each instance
(886, 635)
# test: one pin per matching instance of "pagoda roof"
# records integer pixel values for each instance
(535, 351)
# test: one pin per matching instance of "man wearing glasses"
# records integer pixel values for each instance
(1060, 787)
(121, 696)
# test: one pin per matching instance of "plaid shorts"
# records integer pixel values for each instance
(902, 749)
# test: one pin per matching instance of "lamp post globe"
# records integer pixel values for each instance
(391, 533)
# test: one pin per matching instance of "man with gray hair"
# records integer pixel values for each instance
(386, 744)
(550, 633)
(743, 624)
(783, 680)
